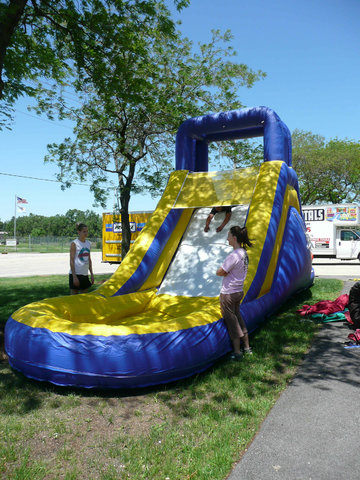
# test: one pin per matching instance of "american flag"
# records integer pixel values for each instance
(21, 200)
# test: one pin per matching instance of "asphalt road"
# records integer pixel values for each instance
(331, 267)
(30, 264)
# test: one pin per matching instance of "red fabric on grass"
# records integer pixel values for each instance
(326, 306)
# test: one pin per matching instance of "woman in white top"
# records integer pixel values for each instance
(234, 270)
(80, 262)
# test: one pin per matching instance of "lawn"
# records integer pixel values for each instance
(191, 429)
(45, 245)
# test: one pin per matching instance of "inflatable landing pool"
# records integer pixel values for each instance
(157, 319)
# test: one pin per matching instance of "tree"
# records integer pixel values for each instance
(137, 79)
(239, 154)
(73, 216)
(57, 225)
(328, 172)
(46, 39)
(127, 128)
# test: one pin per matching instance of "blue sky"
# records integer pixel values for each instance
(310, 51)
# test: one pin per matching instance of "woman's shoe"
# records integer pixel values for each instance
(248, 351)
(236, 357)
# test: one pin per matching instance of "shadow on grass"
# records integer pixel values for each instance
(19, 394)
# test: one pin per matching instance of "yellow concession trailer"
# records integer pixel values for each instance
(112, 233)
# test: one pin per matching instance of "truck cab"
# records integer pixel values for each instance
(347, 243)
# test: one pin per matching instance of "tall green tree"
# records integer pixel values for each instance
(136, 79)
(239, 154)
(328, 172)
(127, 127)
(47, 39)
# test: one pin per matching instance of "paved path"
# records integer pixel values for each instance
(30, 264)
(312, 432)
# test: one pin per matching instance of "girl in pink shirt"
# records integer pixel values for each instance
(234, 270)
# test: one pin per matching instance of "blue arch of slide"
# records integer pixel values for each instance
(195, 134)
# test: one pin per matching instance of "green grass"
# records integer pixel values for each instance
(36, 248)
(190, 429)
(41, 246)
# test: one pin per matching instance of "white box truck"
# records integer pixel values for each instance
(334, 230)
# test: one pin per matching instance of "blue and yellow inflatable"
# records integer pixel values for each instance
(157, 319)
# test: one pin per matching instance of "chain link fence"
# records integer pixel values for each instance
(44, 244)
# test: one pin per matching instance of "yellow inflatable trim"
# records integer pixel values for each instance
(158, 272)
(259, 215)
(134, 313)
(290, 200)
(206, 189)
(141, 245)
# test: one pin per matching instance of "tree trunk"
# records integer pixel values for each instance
(125, 191)
(125, 225)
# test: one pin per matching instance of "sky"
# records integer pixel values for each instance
(310, 51)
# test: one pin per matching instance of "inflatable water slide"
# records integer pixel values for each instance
(157, 319)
